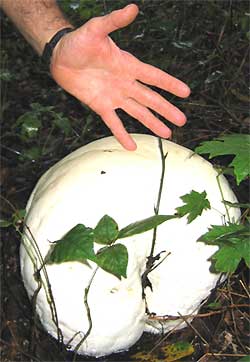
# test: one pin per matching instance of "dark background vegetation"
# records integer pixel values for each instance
(204, 43)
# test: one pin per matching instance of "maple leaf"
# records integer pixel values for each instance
(234, 244)
(234, 144)
(195, 203)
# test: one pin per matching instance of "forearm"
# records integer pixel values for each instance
(37, 20)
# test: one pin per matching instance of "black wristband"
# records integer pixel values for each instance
(49, 47)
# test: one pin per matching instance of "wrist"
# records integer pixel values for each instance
(52, 43)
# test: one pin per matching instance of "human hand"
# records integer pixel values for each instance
(90, 66)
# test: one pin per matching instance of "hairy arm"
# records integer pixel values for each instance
(37, 20)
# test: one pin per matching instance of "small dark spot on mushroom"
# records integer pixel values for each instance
(103, 172)
(107, 151)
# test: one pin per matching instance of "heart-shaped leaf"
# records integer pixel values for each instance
(114, 260)
(106, 231)
(76, 245)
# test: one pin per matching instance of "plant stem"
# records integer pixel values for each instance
(221, 192)
(86, 292)
(46, 285)
(157, 207)
(151, 258)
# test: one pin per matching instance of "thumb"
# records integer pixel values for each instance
(116, 20)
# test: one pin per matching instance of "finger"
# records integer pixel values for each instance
(115, 125)
(143, 115)
(115, 20)
(156, 102)
(149, 74)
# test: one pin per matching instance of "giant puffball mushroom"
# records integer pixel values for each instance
(103, 178)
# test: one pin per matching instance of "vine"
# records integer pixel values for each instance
(151, 259)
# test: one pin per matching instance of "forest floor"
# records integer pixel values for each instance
(204, 43)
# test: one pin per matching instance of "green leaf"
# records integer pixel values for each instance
(5, 223)
(33, 153)
(106, 231)
(225, 234)
(62, 123)
(144, 225)
(234, 144)
(6, 75)
(76, 245)
(18, 217)
(114, 260)
(244, 359)
(226, 259)
(167, 353)
(237, 204)
(195, 202)
(234, 244)
(244, 248)
(40, 109)
(214, 305)
(30, 125)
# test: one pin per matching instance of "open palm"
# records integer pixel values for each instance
(90, 66)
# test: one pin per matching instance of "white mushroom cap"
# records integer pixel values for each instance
(103, 178)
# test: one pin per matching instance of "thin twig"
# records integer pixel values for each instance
(151, 258)
(157, 207)
(199, 315)
(245, 289)
(48, 290)
(86, 292)
(194, 329)
(225, 355)
(221, 192)
(233, 316)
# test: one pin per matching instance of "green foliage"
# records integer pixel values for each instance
(214, 305)
(106, 231)
(83, 9)
(15, 220)
(5, 223)
(234, 144)
(144, 225)
(244, 359)
(5, 75)
(195, 203)
(237, 204)
(61, 122)
(232, 239)
(114, 260)
(234, 245)
(78, 243)
(169, 353)
(32, 153)
(31, 125)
